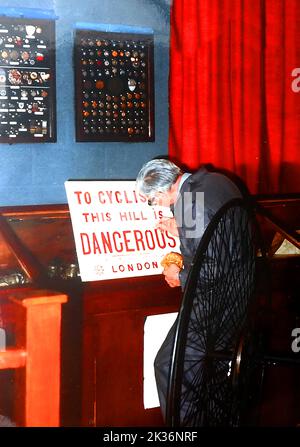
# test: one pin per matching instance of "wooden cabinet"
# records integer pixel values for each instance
(103, 322)
(35, 316)
(36, 250)
(113, 341)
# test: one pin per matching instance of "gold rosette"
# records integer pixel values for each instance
(172, 258)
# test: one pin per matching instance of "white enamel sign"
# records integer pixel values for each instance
(115, 230)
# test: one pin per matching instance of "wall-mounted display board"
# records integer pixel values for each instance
(27, 80)
(114, 86)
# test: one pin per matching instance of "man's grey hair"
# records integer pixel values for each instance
(157, 175)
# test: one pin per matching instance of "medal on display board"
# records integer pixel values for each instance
(27, 80)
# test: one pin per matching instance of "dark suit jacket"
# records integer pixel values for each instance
(192, 215)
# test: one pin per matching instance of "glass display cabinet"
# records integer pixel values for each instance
(102, 323)
(37, 251)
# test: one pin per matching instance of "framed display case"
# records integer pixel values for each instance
(102, 334)
(114, 86)
(37, 252)
(27, 80)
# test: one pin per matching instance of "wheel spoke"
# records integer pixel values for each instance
(215, 307)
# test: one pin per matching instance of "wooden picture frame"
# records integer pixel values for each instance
(27, 80)
(114, 86)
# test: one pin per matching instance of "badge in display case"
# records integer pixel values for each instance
(27, 80)
(114, 86)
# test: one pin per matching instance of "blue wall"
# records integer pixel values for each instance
(35, 173)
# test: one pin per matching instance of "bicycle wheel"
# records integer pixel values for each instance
(213, 312)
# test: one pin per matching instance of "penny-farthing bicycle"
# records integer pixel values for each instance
(211, 366)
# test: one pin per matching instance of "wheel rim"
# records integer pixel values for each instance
(214, 309)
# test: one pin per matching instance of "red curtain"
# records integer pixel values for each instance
(234, 99)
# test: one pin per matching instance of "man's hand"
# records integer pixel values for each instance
(172, 275)
(168, 224)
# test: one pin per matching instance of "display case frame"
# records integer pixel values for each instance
(101, 371)
(27, 80)
(114, 86)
